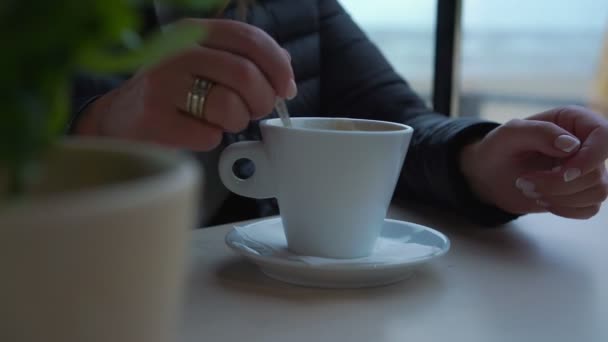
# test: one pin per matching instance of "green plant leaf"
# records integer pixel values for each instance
(45, 42)
(151, 51)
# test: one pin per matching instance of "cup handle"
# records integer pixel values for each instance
(261, 184)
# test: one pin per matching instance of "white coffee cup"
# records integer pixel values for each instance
(333, 178)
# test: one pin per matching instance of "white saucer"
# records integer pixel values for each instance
(401, 246)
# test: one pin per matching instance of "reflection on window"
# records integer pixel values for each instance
(404, 32)
(518, 57)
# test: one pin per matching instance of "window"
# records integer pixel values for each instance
(404, 31)
(518, 57)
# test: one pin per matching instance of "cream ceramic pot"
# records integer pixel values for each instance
(96, 250)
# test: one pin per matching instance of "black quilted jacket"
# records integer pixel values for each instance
(339, 72)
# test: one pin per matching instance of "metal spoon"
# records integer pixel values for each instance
(281, 109)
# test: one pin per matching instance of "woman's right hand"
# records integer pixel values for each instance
(249, 70)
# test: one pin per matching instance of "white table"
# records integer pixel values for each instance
(541, 278)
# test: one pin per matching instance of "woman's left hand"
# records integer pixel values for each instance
(553, 161)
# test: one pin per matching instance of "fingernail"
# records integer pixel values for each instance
(571, 174)
(542, 203)
(531, 194)
(292, 90)
(524, 185)
(566, 143)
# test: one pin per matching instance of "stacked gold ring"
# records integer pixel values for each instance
(195, 104)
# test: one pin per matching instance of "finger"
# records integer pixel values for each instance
(576, 213)
(151, 112)
(551, 183)
(593, 152)
(538, 136)
(588, 127)
(255, 45)
(585, 198)
(579, 120)
(233, 71)
(182, 131)
(517, 203)
(224, 108)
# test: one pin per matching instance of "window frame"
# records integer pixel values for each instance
(447, 48)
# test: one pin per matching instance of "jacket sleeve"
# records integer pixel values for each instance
(357, 81)
(85, 90)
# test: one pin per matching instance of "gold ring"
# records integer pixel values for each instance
(195, 102)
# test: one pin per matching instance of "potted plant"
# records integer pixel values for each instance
(93, 232)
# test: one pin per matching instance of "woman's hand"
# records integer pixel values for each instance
(553, 161)
(249, 70)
